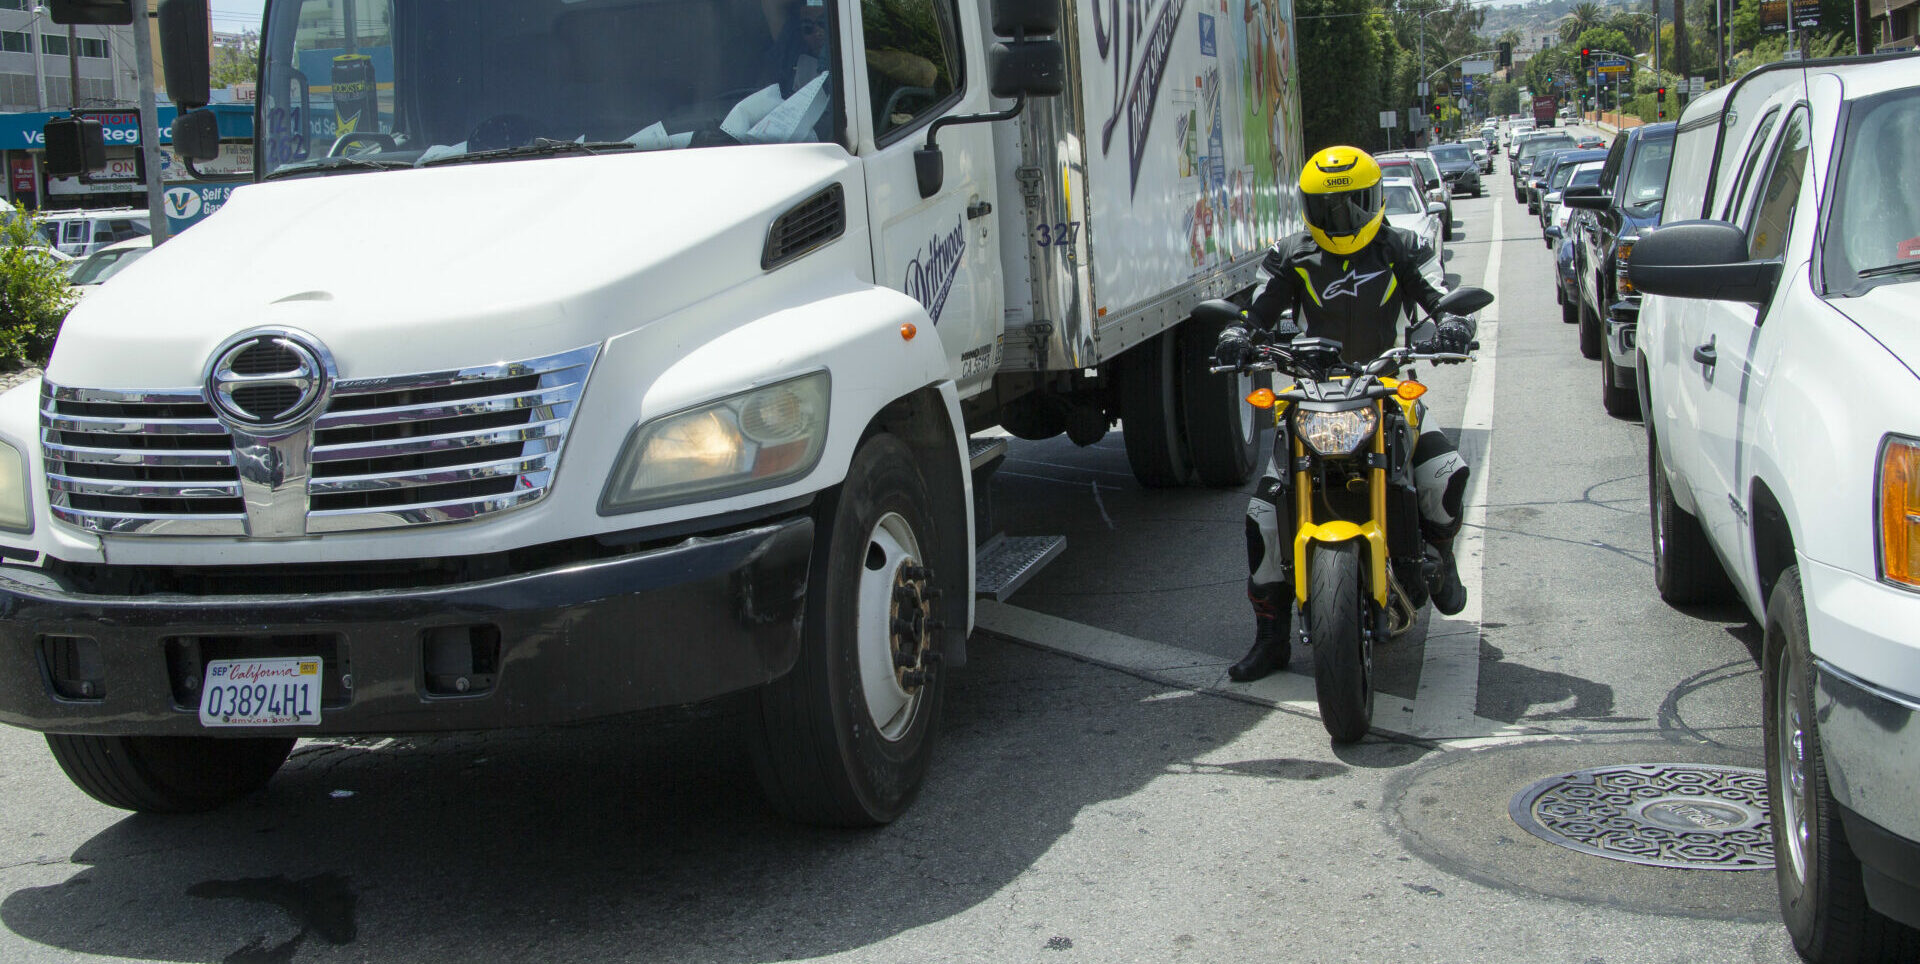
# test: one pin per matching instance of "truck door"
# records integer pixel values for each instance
(1721, 376)
(915, 61)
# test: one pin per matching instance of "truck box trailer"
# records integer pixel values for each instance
(587, 356)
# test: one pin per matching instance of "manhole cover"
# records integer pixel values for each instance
(1659, 814)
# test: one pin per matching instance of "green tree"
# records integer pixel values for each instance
(1583, 18)
(34, 296)
(1343, 106)
(237, 63)
(1504, 99)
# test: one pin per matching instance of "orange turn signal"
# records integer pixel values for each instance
(1261, 398)
(907, 331)
(1900, 511)
(1410, 390)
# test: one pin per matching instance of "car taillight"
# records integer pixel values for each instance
(1900, 511)
(1621, 253)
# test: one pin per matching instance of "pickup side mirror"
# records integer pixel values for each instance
(1701, 259)
(1435, 207)
(184, 43)
(1464, 300)
(1586, 198)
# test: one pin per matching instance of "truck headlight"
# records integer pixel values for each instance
(1623, 249)
(753, 440)
(1335, 434)
(15, 507)
(1900, 511)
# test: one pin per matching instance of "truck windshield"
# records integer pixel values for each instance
(1875, 228)
(1647, 181)
(1538, 144)
(369, 84)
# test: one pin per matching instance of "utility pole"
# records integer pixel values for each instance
(39, 70)
(149, 121)
(73, 69)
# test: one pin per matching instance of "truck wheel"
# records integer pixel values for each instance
(1619, 402)
(1685, 570)
(845, 738)
(1589, 329)
(1149, 399)
(168, 774)
(1342, 653)
(1222, 429)
(1569, 309)
(1821, 896)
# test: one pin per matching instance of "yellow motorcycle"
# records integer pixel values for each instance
(1361, 569)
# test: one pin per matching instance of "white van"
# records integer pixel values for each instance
(82, 232)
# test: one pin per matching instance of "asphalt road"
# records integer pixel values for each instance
(1102, 792)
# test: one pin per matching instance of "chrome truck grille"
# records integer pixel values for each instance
(380, 453)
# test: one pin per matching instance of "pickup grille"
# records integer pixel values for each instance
(386, 452)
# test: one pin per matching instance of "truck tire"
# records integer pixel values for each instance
(168, 774)
(1685, 570)
(820, 747)
(1149, 400)
(1589, 327)
(1822, 899)
(1620, 402)
(1569, 310)
(1222, 430)
(1342, 653)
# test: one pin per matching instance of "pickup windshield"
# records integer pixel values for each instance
(1875, 227)
(353, 85)
(1451, 154)
(1646, 183)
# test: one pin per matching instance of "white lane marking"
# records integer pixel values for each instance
(1450, 669)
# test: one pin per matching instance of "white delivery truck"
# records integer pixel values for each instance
(575, 357)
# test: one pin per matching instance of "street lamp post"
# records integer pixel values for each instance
(39, 72)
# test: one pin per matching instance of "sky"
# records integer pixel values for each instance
(236, 15)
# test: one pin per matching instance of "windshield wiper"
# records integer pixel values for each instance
(541, 147)
(1902, 267)
(336, 163)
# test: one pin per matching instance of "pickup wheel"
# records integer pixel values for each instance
(845, 738)
(1222, 430)
(1148, 392)
(1821, 896)
(1685, 570)
(1619, 402)
(168, 774)
(1589, 327)
(1569, 309)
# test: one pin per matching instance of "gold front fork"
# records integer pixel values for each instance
(1373, 530)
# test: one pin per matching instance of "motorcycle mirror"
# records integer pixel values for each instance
(1423, 332)
(1217, 312)
(1464, 300)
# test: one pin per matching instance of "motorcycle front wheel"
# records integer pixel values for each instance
(1342, 652)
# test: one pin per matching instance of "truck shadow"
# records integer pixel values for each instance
(610, 840)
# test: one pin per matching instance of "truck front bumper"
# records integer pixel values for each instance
(1623, 318)
(664, 626)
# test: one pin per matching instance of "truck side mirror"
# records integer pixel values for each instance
(75, 146)
(1028, 68)
(184, 46)
(1015, 18)
(196, 135)
(113, 12)
(1586, 198)
(1701, 259)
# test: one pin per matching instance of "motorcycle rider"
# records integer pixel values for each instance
(1343, 278)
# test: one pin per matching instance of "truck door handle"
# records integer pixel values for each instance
(1705, 354)
(979, 209)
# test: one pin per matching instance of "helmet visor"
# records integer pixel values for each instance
(1343, 213)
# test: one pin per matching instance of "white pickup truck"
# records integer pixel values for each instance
(1779, 341)
(578, 357)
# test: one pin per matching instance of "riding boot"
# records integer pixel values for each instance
(1443, 578)
(1272, 644)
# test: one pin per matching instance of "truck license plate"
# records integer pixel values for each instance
(261, 692)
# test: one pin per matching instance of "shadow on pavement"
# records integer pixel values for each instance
(618, 841)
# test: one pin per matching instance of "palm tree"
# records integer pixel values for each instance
(1682, 59)
(1635, 26)
(1583, 17)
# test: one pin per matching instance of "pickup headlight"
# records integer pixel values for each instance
(1335, 434)
(753, 440)
(1900, 511)
(16, 513)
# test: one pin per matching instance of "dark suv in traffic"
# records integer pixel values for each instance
(1457, 166)
(1625, 204)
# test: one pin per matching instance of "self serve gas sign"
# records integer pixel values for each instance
(189, 204)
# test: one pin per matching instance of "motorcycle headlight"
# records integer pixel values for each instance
(15, 506)
(1336, 433)
(753, 440)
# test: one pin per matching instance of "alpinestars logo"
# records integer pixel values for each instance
(930, 275)
(1349, 285)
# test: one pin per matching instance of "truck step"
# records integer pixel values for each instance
(1005, 563)
(982, 452)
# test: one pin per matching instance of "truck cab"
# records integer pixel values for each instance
(1625, 202)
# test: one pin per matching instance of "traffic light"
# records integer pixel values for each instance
(1586, 59)
(1506, 54)
(1660, 99)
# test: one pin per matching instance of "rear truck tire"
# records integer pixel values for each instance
(1569, 309)
(1589, 329)
(1685, 570)
(1618, 401)
(1822, 898)
(168, 774)
(1342, 652)
(844, 740)
(1149, 403)
(1446, 230)
(1222, 430)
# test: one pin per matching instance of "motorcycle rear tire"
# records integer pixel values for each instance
(1342, 652)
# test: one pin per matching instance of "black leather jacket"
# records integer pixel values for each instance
(1355, 299)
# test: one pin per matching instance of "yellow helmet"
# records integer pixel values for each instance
(1340, 198)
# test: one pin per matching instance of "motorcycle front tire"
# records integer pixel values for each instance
(1342, 653)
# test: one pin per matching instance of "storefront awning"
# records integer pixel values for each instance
(25, 131)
